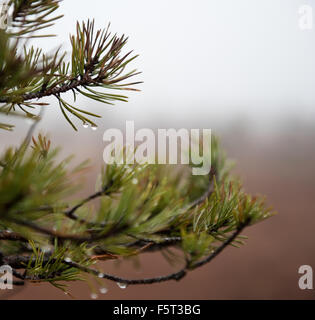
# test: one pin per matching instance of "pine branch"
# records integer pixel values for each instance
(61, 236)
(21, 261)
(92, 238)
(30, 16)
(97, 62)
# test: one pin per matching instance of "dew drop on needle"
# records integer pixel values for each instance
(94, 296)
(122, 285)
(103, 290)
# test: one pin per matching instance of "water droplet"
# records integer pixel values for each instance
(94, 296)
(134, 181)
(85, 125)
(29, 121)
(68, 259)
(45, 249)
(94, 128)
(101, 275)
(103, 290)
(122, 285)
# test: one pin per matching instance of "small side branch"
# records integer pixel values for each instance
(71, 213)
(219, 249)
(11, 236)
(208, 191)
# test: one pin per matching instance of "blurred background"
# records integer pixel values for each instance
(242, 68)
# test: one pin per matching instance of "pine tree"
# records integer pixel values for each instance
(55, 240)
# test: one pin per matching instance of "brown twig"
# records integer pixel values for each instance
(12, 236)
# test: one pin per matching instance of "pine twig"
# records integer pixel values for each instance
(11, 236)
(20, 261)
